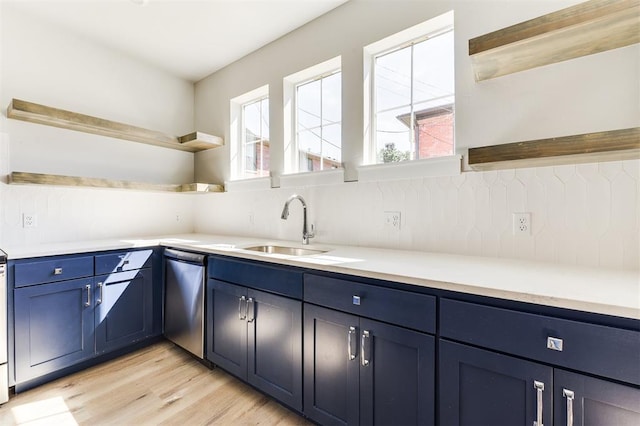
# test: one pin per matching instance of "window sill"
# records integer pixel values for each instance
(249, 184)
(324, 177)
(450, 165)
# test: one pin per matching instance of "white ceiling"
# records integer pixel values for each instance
(188, 38)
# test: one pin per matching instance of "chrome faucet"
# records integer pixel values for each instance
(306, 235)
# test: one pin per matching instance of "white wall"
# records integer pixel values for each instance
(586, 214)
(593, 93)
(44, 64)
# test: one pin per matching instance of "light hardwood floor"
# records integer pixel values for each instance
(157, 385)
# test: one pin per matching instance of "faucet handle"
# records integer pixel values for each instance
(312, 232)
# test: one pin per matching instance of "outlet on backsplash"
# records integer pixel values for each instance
(522, 224)
(392, 220)
(29, 220)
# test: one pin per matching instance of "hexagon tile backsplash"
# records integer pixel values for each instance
(586, 214)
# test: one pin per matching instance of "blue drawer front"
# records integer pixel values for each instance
(605, 351)
(52, 269)
(123, 261)
(279, 280)
(413, 310)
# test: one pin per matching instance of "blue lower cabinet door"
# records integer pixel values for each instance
(331, 366)
(397, 375)
(227, 326)
(123, 308)
(274, 347)
(479, 387)
(54, 327)
(581, 400)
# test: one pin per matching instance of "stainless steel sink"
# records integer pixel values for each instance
(291, 251)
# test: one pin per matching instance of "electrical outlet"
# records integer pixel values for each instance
(522, 224)
(29, 220)
(392, 220)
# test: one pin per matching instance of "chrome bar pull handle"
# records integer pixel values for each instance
(363, 355)
(351, 343)
(100, 294)
(57, 271)
(242, 314)
(252, 304)
(88, 302)
(539, 389)
(570, 395)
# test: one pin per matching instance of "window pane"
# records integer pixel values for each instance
(309, 141)
(434, 131)
(256, 138)
(331, 146)
(250, 158)
(262, 154)
(434, 69)
(393, 135)
(308, 105)
(332, 99)
(251, 121)
(265, 119)
(393, 79)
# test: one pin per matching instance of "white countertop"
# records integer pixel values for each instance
(605, 291)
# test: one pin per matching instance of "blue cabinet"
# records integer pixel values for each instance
(227, 327)
(479, 387)
(331, 366)
(359, 370)
(256, 335)
(506, 367)
(483, 387)
(54, 327)
(63, 322)
(581, 400)
(123, 309)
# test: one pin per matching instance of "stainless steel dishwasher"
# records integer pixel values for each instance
(184, 299)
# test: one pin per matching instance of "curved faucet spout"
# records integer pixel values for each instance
(306, 235)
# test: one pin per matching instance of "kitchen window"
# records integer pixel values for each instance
(318, 123)
(249, 135)
(412, 93)
(313, 118)
(255, 138)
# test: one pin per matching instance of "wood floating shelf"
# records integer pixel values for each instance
(584, 29)
(41, 114)
(601, 146)
(59, 180)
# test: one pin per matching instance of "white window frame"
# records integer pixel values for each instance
(236, 134)
(428, 29)
(290, 85)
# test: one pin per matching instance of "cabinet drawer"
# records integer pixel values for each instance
(413, 310)
(284, 281)
(123, 261)
(605, 351)
(52, 269)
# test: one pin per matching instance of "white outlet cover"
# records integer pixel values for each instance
(392, 220)
(29, 220)
(522, 224)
